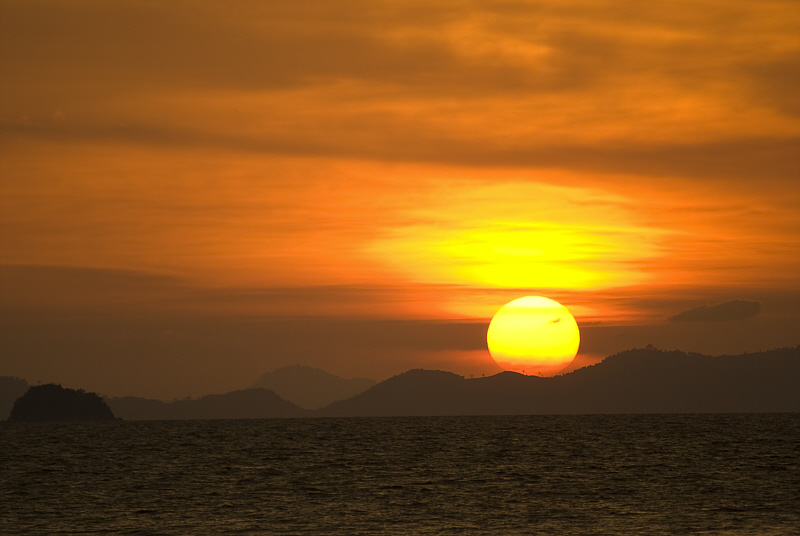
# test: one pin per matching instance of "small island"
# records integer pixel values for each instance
(51, 402)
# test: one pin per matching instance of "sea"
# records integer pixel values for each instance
(735, 474)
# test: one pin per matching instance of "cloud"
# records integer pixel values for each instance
(277, 316)
(485, 83)
(721, 312)
(383, 134)
(76, 287)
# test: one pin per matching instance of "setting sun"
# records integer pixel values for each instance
(533, 335)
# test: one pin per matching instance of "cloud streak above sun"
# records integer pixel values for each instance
(519, 234)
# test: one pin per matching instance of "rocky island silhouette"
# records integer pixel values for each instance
(51, 402)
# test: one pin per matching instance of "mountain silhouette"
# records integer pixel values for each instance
(416, 392)
(636, 381)
(309, 387)
(243, 404)
(52, 402)
(643, 380)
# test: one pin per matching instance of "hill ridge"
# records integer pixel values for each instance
(640, 380)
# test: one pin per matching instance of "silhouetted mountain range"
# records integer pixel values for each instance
(636, 381)
(311, 388)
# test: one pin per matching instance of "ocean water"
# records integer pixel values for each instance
(551, 475)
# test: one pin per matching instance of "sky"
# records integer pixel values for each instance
(195, 193)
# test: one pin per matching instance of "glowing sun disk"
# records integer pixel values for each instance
(533, 334)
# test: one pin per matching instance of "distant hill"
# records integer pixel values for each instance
(637, 381)
(11, 388)
(309, 387)
(52, 402)
(244, 404)
(416, 392)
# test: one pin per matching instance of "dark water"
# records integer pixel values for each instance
(565, 475)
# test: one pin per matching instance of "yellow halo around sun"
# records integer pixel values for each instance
(534, 335)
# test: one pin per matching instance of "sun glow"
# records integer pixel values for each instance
(521, 255)
(519, 235)
(534, 335)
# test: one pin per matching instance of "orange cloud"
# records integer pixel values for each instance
(490, 145)
(519, 234)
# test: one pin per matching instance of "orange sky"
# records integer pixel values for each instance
(253, 165)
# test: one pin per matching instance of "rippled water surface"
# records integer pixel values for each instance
(646, 474)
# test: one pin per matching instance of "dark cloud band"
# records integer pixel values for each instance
(721, 312)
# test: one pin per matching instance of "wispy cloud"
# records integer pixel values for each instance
(618, 87)
(721, 312)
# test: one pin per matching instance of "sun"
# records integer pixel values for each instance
(534, 335)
